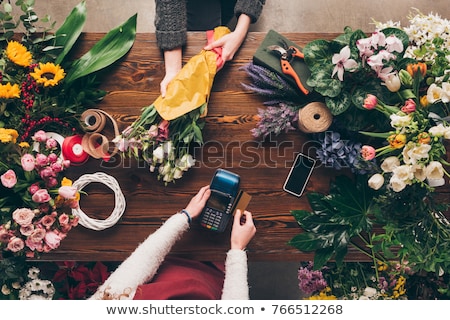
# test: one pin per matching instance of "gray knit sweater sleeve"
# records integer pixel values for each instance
(171, 20)
(170, 23)
(252, 8)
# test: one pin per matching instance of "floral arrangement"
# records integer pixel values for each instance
(388, 93)
(42, 95)
(354, 281)
(166, 146)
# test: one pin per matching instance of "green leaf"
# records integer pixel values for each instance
(317, 52)
(323, 83)
(70, 30)
(114, 45)
(339, 104)
(304, 242)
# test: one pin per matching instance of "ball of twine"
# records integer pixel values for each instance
(111, 182)
(314, 117)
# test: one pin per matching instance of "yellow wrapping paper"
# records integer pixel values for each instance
(191, 87)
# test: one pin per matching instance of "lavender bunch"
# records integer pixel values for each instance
(275, 119)
(269, 83)
(337, 153)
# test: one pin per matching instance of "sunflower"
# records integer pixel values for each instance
(8, 91)
(18, 53)
(49, 74)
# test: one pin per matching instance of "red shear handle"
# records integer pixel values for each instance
(287, 69)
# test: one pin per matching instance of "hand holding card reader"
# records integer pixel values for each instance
(219, 207)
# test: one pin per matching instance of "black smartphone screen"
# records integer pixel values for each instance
(299, 174)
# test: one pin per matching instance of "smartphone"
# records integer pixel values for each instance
(299, 175)
(218, 210)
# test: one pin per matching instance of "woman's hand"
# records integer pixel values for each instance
(173, 64)
(231, 42)
(198, 202)
(243, 230)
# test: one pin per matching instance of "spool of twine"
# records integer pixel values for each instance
(314, 117)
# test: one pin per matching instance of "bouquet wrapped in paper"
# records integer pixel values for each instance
(166, 130)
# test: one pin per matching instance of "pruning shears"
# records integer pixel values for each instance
(287, 54)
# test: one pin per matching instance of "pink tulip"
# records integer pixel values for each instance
(41, 196)
(28, 162)
(370, 102)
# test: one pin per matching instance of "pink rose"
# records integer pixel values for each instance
(15, 244)
(41, 196)
(47, 172)
(37, 236)
(57, 167)
(64, 219)
(40, 136)
(51, 182)
(33, 188)
(27, 230)
(41, 160)
(52, 239)
(370, 102)
(47, 221)
(34, 245)
(23, 216)
(28, 162)
(9, 179)
(51, 143)
(5, 235)
(52, 157)
(368, 152)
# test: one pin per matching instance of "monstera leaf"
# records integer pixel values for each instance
(335, 219)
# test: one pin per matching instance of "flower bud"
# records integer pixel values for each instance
(405, 78)
(376, 181)
(393, 82)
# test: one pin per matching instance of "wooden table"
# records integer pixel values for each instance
(263, 166)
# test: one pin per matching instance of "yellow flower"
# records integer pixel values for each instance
(397, 141)
(18, 53)
(323, 295)
(49, 74)
(66, 182)
(424, 101)
(8, 135)
(24, 145)
(8, 91)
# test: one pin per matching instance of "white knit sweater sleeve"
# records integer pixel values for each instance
(142, 264)
(235, 286)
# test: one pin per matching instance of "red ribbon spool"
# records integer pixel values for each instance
(73, 150)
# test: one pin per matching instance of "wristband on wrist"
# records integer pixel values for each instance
(184, 211)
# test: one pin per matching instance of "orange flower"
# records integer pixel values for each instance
(413, 68)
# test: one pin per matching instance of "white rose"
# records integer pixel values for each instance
(390, 163)
(376, 181)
